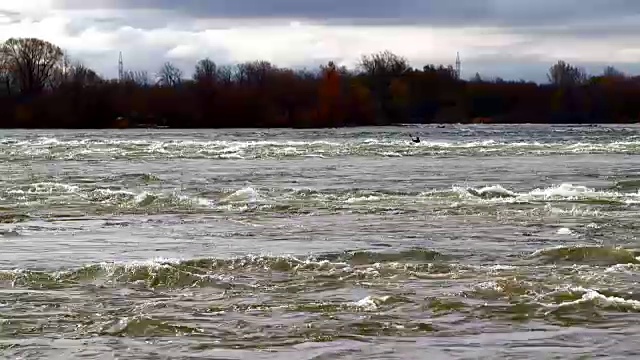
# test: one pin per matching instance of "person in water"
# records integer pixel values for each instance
(416, 140)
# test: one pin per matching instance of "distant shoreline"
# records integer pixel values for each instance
(384, 89)
(398, 125)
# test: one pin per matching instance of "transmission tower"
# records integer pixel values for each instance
(120, 68)
(458, 66)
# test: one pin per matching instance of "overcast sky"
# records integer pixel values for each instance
(508, 38)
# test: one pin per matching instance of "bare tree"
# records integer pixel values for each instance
(476, 78)
(224, 74)
(73, 72)
(7, 77)
(206, 71)
(254, 72)
(384, 63)
(333, 67)
(611, 72)
(440, 71)
(60, 72)
(81, 75)
(32, 61)
(169, 75)
(140, 78)
(305, 74)
(564, 74)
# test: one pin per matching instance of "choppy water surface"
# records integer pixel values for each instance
(479, 242)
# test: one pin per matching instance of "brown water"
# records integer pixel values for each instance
(494, 242)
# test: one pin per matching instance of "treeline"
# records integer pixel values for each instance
(41, 87)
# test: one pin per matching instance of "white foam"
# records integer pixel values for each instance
(489, 285)
(626, 268)
(498, 193)
(247, 194)
(391, 154)
(370, 303)
(109, 192)
(94, 146)
(564, 231)
(360, 199)
(574, 211)
(235, 156)
(143, 197)
(496, 189)
(197, 200)
(563, 190)
(45, 188)
(598, 298)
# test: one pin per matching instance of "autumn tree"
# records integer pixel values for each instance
(361, 104)
(399, 101)
(33, 62)
(329, 94)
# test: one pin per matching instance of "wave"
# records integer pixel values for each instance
(342, 266)
(234, 272)
(91, 148)
(405, 281)
(566, 304)
(297, 200)
(593, 255)
(564, 193)
(577, 297)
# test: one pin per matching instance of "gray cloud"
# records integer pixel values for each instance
(145, 31)
(9, 13)
(595, 30)
(10, 16)
(433, 12)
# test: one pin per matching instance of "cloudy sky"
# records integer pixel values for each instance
(508, 38)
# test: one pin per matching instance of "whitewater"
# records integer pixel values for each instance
(482, 241)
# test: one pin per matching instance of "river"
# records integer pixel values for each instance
(482, 241)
